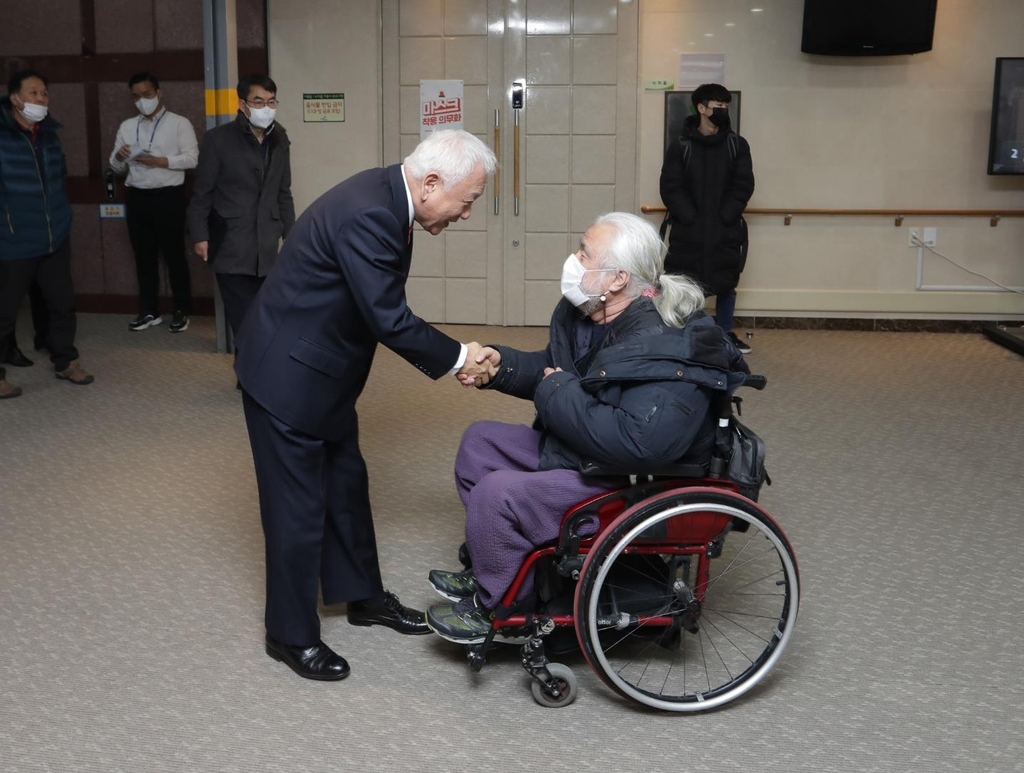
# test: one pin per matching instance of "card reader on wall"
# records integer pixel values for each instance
(658, 85)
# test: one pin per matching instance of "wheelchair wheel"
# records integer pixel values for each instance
(567, 685)
(687, 600)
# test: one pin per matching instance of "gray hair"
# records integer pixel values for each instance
(637, 249)
(452, 154)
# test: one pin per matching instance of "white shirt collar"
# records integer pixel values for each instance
(408, 197)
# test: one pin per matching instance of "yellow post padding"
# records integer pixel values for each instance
(221, 101)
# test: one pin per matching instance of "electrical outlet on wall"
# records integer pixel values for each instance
(922, 237)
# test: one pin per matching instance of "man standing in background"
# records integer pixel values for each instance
(242, 205)
(156, 147)
(706, 182)
(35, 233)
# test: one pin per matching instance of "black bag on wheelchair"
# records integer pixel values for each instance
(746, 460)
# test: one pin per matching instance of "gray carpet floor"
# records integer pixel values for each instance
(131, 575)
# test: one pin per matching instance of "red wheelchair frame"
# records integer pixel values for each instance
(708, 591)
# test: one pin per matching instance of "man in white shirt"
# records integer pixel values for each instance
(156, 147)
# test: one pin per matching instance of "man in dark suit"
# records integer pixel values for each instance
(304, 354)
(242, 201)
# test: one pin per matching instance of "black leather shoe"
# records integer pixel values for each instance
(318, 662)
(389, 612)
(17, 358)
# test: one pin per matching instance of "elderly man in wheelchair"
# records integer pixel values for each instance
(627, 384)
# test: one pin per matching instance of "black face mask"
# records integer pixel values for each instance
(719, 117)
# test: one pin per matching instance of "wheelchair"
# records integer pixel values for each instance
(681, 591)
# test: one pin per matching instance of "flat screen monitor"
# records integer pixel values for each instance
(1006, 143)
(868, 27)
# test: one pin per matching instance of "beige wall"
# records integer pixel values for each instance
(888, 132)
(893, 132)
(321, 46)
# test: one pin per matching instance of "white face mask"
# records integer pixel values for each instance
(33, 112)
(147, 106)
(572, 281)
(262, 117)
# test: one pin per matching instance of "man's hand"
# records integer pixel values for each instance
(480, 367)
(549, 371)
(153, 162)
(202, 249)
(124, 152)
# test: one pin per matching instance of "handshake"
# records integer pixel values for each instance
(482, 364)
(480, 367)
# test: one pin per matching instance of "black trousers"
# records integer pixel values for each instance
(238, 292)
(317, 522)
(52, 273)
(156, 224)
(40, 318)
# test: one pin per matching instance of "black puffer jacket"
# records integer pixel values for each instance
(705, 197)
(35, 214)
(638, 400)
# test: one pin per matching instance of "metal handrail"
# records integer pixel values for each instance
(994, 215)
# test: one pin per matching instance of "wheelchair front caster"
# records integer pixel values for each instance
(476, 659)
(560, 691)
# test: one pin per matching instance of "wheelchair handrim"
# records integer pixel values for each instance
(761, 667)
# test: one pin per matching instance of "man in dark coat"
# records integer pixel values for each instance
(304, 354)
(625, 382)
(242, 202)
(706, 181)
(35, 232)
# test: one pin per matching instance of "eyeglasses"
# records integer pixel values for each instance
(259, 103)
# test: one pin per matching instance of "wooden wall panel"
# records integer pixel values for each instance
(88, 58)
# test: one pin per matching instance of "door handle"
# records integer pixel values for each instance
(517, 105)
(515, 169)
(497, 155)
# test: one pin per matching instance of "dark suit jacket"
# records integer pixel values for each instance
(307, 343)
(242, 202)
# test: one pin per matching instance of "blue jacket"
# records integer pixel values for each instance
(337, 290)
(638, 399)
(34, 206)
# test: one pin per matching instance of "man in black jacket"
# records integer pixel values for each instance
(242, 203)
(706, 182)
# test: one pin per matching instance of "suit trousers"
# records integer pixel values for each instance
(52, 273)
(156, 224)
(238, 291)
(317, 522)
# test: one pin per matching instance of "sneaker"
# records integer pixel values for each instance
(179, 322)
(8, 390)
(743, 346)
(74, 373)
(464, 622)
(453, 585)
(143, 321)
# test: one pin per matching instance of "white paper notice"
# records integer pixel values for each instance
(441, 106)
(698, 69)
